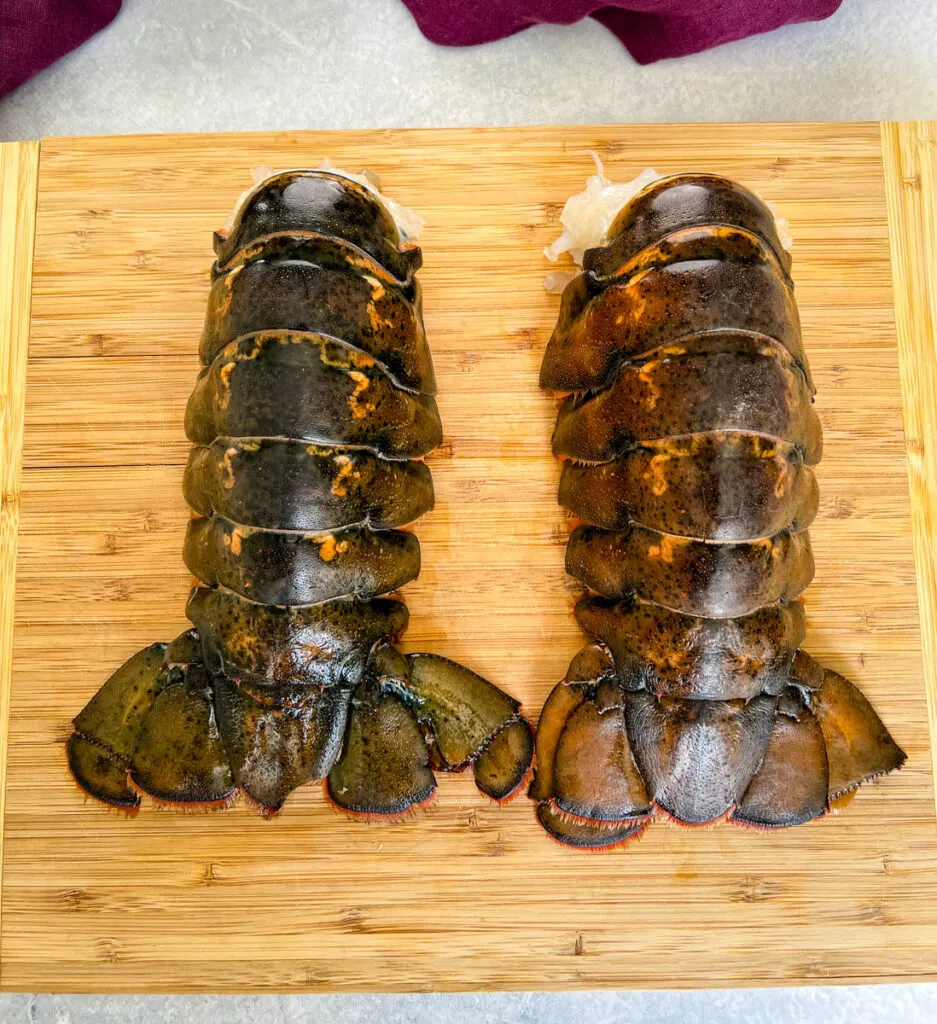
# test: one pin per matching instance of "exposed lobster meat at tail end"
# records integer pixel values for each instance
(688, 439)
(310, 418)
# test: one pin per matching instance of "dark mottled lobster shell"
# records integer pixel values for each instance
(309, 418)
(688, 441)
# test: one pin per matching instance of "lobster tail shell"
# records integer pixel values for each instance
(318, 204)
(688, 443)
(310, 418)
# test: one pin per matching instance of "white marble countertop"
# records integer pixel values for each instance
(174, 65)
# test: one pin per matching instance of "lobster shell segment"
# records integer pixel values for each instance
(680, 201)
(319, 204)
(692, 656)
(283, 567)
(688, 441)
(323, 644)
(722, 485)
(284, 484)
(722, 581)
(310, 419)
(316, 286)
(713, 382)
(312, 388)
(603, 325)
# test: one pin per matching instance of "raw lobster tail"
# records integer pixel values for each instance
(311, 413)
(688, 445)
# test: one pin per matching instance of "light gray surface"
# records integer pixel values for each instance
(909, 1004)
(175, 65)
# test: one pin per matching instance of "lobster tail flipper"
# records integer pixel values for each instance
(587, 835)
(276, 744)
(858, 745)
(697, 757)
(791, 785)
(179, 757)
(108, 727)
(384, 769)
(586, 783)
(563, 700)
(594, 772)
(504, 762)
(462, 710)
(100, 774)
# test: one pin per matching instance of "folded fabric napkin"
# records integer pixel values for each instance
(35, 33)
(651, 29)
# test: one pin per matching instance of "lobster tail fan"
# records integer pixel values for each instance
(403, 702)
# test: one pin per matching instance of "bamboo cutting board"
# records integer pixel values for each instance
(466, 895)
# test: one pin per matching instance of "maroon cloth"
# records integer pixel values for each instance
(651, 29)
(35, 33)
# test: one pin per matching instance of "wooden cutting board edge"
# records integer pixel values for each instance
(909, 157)
(19, 185)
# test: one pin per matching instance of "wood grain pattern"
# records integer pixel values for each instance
(909, 153)
(466, 895)
(19, 166)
